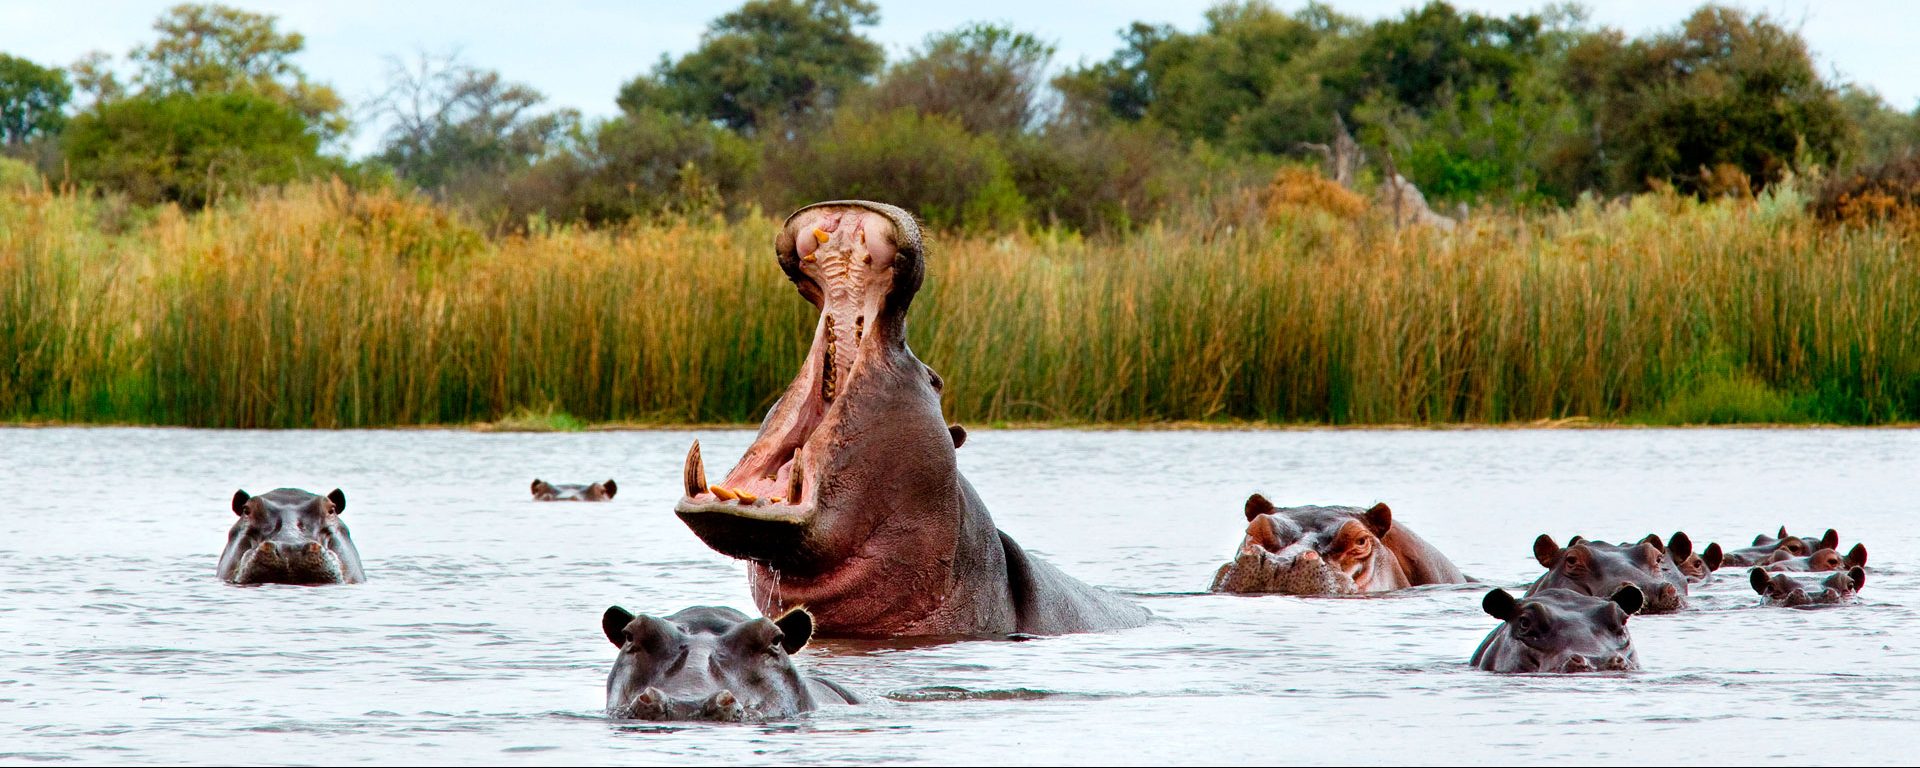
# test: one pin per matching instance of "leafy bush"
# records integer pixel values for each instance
(1094, 179)
(641, 165)
(928, 164)
(1296, 188)
(191, 149)
(1890, 190)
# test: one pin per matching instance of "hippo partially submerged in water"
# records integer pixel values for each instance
(1765, 547)
(1824, 559)
(1798, 591)
(290, 536)
(1559, 630)
(1330, 551)
(708, 663)
(850, 502)
(545, 491)
(1597, 568)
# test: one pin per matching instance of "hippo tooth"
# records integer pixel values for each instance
(724, 494)
(696, 471)
(820, 235)
(774, 499)
(746, 498)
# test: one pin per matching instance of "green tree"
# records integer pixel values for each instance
(928, 164)
(191, 148)
(206, 49)
(1725, 89)
(643, 164)
(1885, 133)
(985, 76)
(31, 100)
(770, 61)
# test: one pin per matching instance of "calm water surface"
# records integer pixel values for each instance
(477, 638)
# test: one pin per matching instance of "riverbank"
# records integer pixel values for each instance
(323, 307)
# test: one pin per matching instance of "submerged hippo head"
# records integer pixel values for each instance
(1764, 547)
(290, 536)
(708, 663)
(545, 491)
(1559, 630)
(1825, 559)
(1313, 551)
(1796, 591)
(1598, 569)
(850, 501)
(1698, 567)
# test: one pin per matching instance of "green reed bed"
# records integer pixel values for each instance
(322, 307)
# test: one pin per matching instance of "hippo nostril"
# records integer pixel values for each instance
(1309, 556)
(725, 699)
(313, 548)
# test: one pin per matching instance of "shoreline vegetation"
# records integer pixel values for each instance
(319, 305)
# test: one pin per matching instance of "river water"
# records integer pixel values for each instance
(477, 638)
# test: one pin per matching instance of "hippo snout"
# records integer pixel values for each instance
(655, 704)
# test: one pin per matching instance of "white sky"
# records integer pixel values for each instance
(579, 52)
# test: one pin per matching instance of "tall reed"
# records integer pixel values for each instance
(321, 306)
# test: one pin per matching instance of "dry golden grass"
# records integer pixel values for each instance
(318, 306)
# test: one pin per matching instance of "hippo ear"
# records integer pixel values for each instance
(1857, 556)
(1379, 519)
(1577, 538)
(1257, 505)
(1629, 598)
(959, 434)
(796, 628)
(240, 503)
(614, 622)
(1499, 604)
(540, 485)
(1654, 539)
(1781, 535)
(1758, 578)
(339, 500)
(1830, 541)
(610, 487)
(1680, 547)
(1858, 576)
(1714, 556)
(1545, 551)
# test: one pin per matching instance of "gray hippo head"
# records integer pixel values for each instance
(1822, 560)
(1797, 591)
(1698, 567)
(1559, 630)
(545, 491)
(290, 536)
(1598, 569)
(1312, 551)
(1765, 546)
(710, 663)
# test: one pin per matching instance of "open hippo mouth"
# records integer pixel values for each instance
(859, 262)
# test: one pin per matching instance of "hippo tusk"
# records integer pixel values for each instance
(746, 498)
(696, 471)
(794, 479)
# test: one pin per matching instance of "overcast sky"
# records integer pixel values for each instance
(578, 52)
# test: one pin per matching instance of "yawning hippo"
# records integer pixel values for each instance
(709, 663)
(1765, 546)
(1330, 551)
(289, 536)
(850, 502)
(1825, 559)
(545, 491)
(1597, 568)
(1795, 591)
(1559, 630)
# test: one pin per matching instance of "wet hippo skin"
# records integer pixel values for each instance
(712, 663)
(1329, 551)
(290, 536)
(1599, 569)
(850, 502)
(1796, 591)
(545, 491)
(1559, 630)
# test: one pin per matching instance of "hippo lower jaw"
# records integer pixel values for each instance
(765, 533)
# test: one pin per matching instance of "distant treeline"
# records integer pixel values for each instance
(789, 101)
